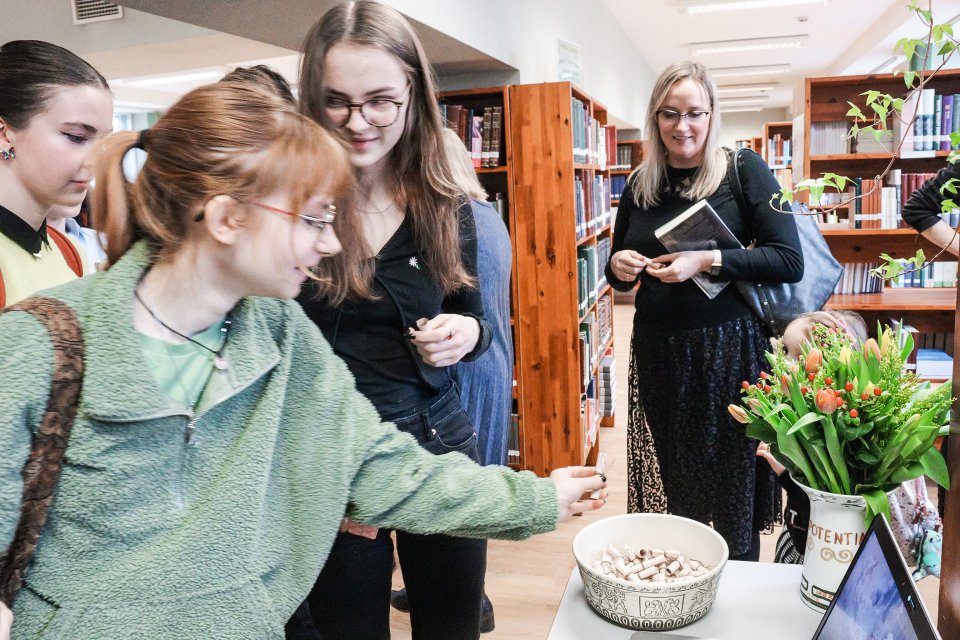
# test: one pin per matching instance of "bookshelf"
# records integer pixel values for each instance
(629, 155)
(549, 313)
(928, 309)
(777, 151)
(557, 216)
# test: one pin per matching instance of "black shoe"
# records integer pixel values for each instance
(486, 615)
(399, 601)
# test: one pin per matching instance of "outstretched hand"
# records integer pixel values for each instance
(574, 486)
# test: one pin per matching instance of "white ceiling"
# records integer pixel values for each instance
(185, 38)
(845, 37)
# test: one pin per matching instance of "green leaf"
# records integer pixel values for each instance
(855, 112)
(947, 47)
(802, 422)
(877, 502)
(946, 206)
(786, 195)
(935, 467)
(871, 96)
(909, 76)
(835, 450)
(951, 184)
(926, 14)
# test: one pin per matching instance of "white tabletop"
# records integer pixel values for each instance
(755, 601)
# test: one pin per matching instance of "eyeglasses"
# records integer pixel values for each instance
(314, 222)
(377, 112)
(669, 116)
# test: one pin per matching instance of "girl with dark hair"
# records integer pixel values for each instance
(54, 108)
(401, 316)
(219, 440)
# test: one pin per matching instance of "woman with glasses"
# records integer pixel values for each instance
(689, 352)
(403, 315)
(219, 440)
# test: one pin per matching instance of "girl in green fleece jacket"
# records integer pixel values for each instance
(219, 441)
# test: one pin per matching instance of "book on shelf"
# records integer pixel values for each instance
(696, 229)
(779, 153)
(476, 140)
(829, 138)
(934, 275)
(479, 129)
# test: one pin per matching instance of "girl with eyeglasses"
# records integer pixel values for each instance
(690, 353)
(219, 440)
(403, 315)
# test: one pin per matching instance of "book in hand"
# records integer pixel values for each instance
(699, 228)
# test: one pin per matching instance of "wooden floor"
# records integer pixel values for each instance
(525, 580)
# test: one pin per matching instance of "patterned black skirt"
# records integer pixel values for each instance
(686, 455)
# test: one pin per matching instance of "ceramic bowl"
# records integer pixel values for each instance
(650, 605)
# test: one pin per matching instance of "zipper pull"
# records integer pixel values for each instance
(191, 429)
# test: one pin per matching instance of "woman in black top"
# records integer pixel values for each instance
(401, 317)
(690, 353)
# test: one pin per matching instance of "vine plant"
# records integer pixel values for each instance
(881, 108)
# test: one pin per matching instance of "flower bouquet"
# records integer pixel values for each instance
(849, 421)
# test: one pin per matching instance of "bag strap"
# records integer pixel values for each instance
(733, 178)
(41, 473)
(69, 251)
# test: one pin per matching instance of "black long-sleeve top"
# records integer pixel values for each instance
(776, 258)
(370, 335)
(922, 210)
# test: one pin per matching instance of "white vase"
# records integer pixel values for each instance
(835, 532)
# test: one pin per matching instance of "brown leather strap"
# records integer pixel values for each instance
(42, 470)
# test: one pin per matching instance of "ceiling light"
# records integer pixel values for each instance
(746, 88)
(693, 7)
(741, 102)
(747, 44)
(156, 81)
(739, 109)
(753, 70)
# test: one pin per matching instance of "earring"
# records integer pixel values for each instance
(8, 154)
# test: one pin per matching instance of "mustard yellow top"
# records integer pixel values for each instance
(25, 273)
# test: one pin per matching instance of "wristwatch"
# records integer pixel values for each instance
(717, 263)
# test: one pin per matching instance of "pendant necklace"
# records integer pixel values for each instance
(219, 359)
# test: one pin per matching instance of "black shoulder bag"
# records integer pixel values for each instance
(777, 304)
(41, 473)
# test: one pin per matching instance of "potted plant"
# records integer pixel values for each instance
(849, 424)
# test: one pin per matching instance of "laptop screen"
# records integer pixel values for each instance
(877, 598)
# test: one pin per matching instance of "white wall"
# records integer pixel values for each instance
(524, 35)
(747, 124)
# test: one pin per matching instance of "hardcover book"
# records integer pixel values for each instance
(699, 228)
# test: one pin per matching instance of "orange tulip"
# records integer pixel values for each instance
(812, 363)
(826, 401)
(739, 413)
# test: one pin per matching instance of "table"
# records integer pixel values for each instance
(755, 601)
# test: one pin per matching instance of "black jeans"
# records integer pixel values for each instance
(443, 575)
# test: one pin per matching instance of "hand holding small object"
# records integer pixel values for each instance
(445, 339)
(627, 264)
(681, 266)
(763, 451)
(575, 487)
(6, 622)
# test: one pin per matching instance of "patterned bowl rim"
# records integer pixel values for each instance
(659, 516)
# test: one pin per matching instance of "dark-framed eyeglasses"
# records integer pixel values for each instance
(377, 112)
(314, 222)
(669, 116)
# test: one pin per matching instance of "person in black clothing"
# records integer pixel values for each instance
(689, 353)
(401, 317)
(922, 212)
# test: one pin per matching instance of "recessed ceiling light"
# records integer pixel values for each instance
(747, 44)
(752, 70)
(156, 81)
(738, 109)
(742, 102)
(693, 7)
(747, 88)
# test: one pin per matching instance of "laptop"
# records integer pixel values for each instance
(877, 597)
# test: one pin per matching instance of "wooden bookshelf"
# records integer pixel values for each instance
(546, 245)
(770, 131)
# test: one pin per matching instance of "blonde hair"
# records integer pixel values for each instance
(650, 177)
(231, 138)
(461, 166)
(417, 161)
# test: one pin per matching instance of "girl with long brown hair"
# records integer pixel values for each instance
(406, 312)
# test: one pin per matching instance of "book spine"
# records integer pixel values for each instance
(946, 122)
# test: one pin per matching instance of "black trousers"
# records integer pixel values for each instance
(443, 575)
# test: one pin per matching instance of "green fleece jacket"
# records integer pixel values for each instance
(150, 537)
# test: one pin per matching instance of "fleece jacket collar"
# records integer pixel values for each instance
(126, 389)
